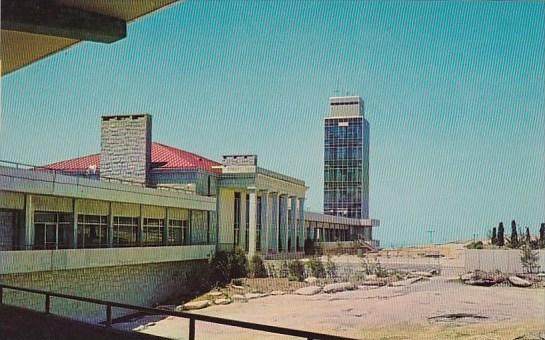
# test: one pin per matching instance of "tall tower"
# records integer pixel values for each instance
(346, 159)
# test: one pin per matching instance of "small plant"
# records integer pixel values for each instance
(284, 269)
(296, 271)
(475, 245)
(330, 268)
(316, 267)
(529, 259)
(271, 270)
(257, 267)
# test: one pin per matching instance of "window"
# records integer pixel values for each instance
(153, 231)
(125, 231)
(177, 232)
(52, 230)
(199, 227)
(92, 231)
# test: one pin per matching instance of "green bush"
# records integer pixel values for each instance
(284, 270)
(296, 271)
(475, 245)
(225, 266)
(316, 267)
(330, 268)
(257, 267)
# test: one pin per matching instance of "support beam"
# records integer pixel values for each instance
(273, 231)
(48, 18)
(301, 233)
(265, 222)
(252, 221)
(283, 239)
(74, 225)
(292, 235)
(29, 223)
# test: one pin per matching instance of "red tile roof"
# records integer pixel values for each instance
(162, 157)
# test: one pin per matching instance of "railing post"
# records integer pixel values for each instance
(47, 303)
(191, 329)
(108, 316)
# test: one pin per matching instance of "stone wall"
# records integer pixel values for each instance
(125, 151)
(144, 285)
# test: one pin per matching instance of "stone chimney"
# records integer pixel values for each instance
(125, 147)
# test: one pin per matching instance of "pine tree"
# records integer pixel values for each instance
(542, 235)
(514, 235)
(494, 238)
(501, 235)
(528, 237)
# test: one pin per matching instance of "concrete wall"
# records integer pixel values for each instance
(30, 261)
(507, 261)
(143, 284)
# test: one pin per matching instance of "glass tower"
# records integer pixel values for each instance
(346, 159)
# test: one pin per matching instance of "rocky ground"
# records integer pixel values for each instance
(415, 307)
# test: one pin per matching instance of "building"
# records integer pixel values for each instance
(144, 217)
(346, 159)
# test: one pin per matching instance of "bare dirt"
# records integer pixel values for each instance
(438, 308)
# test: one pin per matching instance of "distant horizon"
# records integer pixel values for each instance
(454, 93)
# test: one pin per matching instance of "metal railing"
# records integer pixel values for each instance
(154, 311)
(90, 176)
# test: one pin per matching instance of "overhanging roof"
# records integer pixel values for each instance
(34, 29)
(317, 217)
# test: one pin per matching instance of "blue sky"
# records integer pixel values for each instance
(454, 91)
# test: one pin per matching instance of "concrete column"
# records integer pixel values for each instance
(301, 233)
(265, 222)
(74, 225)
(292, 235)
(140, 234)
(110, 227)
(283, 239)
(165, 229)
(274, 223)
(252, 235)
(29, 223)
(242, 239)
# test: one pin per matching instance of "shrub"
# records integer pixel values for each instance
(257, 267)
(225, 266)
(529, 259)
(330, 268)
(296, 271)
(316, 267)
(475, 245)
(284, 270)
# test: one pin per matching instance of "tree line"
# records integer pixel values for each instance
(517, 238)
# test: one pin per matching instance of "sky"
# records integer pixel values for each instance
(454, 93)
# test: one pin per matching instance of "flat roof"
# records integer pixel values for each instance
(319, 217)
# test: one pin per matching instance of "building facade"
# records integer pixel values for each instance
(346, 159)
